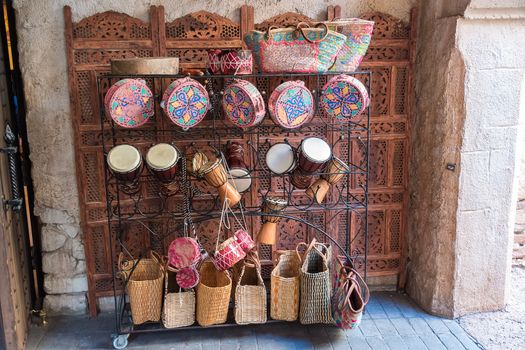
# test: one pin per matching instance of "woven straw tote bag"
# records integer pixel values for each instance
(315, 304)
(250, 293)
(213, 295)
(285, 287)
(144, 286)
(179, 304)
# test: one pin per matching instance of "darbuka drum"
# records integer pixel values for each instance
(125, 162)
(268, 231)
(162, 160)
(334, 172)
(215, 175)
(239, 175)
(313, 154)
(280, 158)
(344, 97)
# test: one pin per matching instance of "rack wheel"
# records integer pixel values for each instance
(120, 341)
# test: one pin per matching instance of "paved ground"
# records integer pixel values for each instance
(503, 329)
(392, 322)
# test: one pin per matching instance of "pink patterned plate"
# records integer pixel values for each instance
(291, 104)
(183, 252)
(185, 102)
(243, 104)
(187, 277)
(129, 103)
(344, 97)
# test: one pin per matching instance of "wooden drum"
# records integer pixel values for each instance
(125, 162)
(335, 171)
(313, 154)
(280, 158)
(162, 160)
(268, 231)
(239, 176)
(215, 175)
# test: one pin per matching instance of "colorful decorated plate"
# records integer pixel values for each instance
(344, 97)
(291, 104)
(243, 104)
(129, 103)
(185, 102)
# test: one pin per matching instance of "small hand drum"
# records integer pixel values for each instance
(268, 231)
(129, 103)
(313, 154)
(237, 62)
(291, 104)
(239, 175)
(228, 254)
(162, 161)
(187, 277)
(335, 171)
(344, 97)
(215, 175)
(280, 158)
(125, 162)
(244, 239)
(243, 104)
(183, 252)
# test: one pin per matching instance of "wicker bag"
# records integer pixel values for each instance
(358, 36)
(250, 293)
(315, 284)
(179, 304)
(285, 287)
(213, 295)
(297, 50)
(144, 285)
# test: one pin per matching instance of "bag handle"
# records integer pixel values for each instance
(302, 30)
(308, 248)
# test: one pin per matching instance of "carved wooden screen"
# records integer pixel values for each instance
(93, 41)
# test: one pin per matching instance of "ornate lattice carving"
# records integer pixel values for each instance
(104, 56)
(387, 27)
(111, 26)
(202, 25)
(283, 20)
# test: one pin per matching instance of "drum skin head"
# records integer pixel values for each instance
(123, 158)
(240, 179)
(316, 149)
(162, 156)
(280, 158)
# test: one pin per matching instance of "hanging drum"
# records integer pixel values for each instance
(183, 252)
(243, 104)
(268, 232)
(313, 153)
(185, 102)
(162, 160)
(239, 175)
(280, 158)
(187, 277)
(291, 104)
(215, 175)
(335, 171)
(125, 162)
(344, 97)
(129, 103)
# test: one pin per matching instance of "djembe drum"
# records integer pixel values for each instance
(239, 175)
(194, 162)
(215, 175)
(125, 163)
(313, 153)
(268, 232)
(335, 170)
(280, 158)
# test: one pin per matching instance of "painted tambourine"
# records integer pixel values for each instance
(344, 97)
(243, 104)
(183, 252)
(291, 104)
(129, 102)
(185, 102)
(187, 277)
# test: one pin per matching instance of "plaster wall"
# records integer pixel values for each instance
(40, 30)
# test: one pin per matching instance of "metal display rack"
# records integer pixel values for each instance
(125, 207)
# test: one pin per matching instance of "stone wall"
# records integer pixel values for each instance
(470, 74)
(40, 30)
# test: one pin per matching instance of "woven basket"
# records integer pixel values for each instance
(179, 304)
(213, 295)
(315, 285)
(250, 295)
(285, 287)
(144, 287)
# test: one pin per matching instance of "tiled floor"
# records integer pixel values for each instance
(392, 321)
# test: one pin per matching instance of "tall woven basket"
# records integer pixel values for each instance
(179, 304)
(250, 295)
(285, 287)
(213, 295)
(144, 287)
(315, 285)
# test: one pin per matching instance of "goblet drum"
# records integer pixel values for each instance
(215, 175)
(335, 171)
(268, 232)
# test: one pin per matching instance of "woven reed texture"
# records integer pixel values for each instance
(315, 286)
(250, 296)
(144, 288)
(285, 287)
(213, 295)
(179, 304)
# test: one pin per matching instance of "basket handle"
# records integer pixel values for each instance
(267, 34)
(308, 248)
(301, 29)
